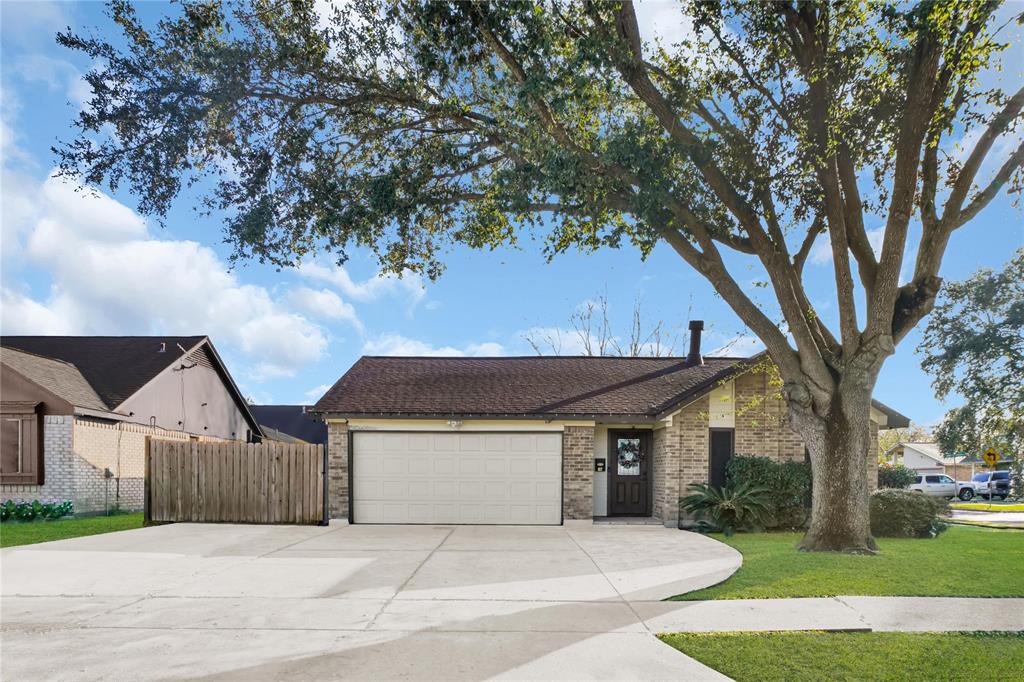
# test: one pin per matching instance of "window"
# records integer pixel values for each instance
(628, 456)
(945, 479)
(980, 477)
(20, 452)
(917, 480)
(933, 479)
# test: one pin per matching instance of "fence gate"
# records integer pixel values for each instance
(233, 482)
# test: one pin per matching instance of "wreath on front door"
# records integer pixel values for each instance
(629, 453)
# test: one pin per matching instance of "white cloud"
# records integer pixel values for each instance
(553, 340)
(109, 275)
(663, 20)
(314, 394)
(742, 345)
(372, 289)
(396, 344)
(821, 252)
(324, 303)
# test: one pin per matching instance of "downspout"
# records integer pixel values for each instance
(325, 515)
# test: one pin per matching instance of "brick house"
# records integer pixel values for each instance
(76, 411)
(538, 440)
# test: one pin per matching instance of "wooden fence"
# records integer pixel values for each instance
(233, 482)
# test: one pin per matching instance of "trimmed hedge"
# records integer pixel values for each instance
(895, 476)
(788, 482)
(34, 510)
(905, 514)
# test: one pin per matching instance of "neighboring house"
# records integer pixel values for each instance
(290, 423)
(924, 458)
(76, 412)
(537, 440)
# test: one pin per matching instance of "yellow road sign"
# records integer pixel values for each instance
(991, 457)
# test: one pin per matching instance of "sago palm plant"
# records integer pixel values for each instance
(729, 508)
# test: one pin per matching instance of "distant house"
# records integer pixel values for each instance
(924, 458)
(290, 423)
(76, 411)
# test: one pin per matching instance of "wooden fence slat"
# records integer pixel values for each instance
(233, 482)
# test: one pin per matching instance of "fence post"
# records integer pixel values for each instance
(146, 487)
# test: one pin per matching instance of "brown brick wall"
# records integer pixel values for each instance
(76, 453)
(681, 450)
(762, 425)
(578, 472)
(337, 469)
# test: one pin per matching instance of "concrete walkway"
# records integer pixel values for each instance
(903, 614)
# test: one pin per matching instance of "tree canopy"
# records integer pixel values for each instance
(409, 126)
(973, 345)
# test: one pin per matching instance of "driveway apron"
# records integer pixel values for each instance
(356, 602)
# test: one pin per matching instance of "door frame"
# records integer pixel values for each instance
(646, 469)
(732, 444)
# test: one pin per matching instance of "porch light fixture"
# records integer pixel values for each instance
(455, 423)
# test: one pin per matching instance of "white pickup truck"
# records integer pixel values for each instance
(985, 484)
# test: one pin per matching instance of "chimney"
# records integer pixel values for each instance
(694, 358)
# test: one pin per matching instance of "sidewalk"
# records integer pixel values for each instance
(904, 614)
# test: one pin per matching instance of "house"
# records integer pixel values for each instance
(927, 458)
(290, 423)
(539, 440)
(76, 411)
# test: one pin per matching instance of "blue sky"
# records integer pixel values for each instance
(90, 265)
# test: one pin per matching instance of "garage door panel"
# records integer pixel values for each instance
(467, 478)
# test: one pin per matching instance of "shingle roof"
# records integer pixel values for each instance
(115, 366)
(294, 420)
(541, 386)
(60, 378)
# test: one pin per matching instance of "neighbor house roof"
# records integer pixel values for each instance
(929, 450)
(535, 386)
(115, 366)
(56, 376)
(294, 420)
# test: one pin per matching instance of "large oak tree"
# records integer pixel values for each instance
(408, 126)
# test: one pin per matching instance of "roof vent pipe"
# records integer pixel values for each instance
(163, 348)
(694, 357)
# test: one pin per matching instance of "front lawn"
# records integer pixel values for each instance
(13, 533)
(962, 562)
(796, 656)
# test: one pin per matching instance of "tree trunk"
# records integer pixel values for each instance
(838, 445)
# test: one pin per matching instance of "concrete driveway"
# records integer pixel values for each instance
(355, 602)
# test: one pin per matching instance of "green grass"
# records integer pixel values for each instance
(962, 562)
(797, 656)
(13, 533)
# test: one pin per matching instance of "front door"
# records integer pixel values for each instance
(629, 473)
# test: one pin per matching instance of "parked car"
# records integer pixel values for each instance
(936, 485)
(992, 484)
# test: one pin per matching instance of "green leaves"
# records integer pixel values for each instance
(733, 507)
(973, 346)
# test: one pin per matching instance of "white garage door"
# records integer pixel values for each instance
(421, 477)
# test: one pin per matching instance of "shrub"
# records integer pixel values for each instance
(789, 485)
(905, 514)
(34, 510)
(895, 476)
(729, 508)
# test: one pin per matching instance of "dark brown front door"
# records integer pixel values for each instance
(629, 473)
